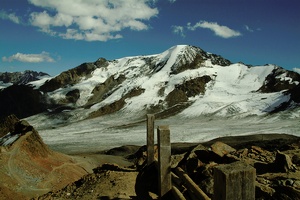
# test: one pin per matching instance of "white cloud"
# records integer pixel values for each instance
(296, 70)
(92, 20)
(10, 16)
(172, 1)
(178, 30)
(32, 58)
(219, 30)
(248, 28)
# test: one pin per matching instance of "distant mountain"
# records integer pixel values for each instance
(182, 80)
(19, 78)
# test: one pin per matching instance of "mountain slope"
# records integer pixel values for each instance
(28, 167)
(183, 79)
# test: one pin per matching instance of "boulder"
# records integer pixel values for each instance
(221, 149)
(283, 162)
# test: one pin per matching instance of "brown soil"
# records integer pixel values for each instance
(28, 168)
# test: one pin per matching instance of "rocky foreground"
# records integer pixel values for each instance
(275, 157)
(29, 169)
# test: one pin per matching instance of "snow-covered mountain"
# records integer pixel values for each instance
(200, 95)
(19, 78)
(183, 80)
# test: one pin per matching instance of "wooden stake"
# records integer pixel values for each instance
(150, 138)
(164, 159)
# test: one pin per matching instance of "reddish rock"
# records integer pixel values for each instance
(221, 149)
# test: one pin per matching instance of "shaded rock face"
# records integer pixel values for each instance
(189, 88)
(19, 78)
(117, 105)
(279, 80)
(197, 61)
(72, 76)
(21, 100)
(295, 94)
(72, 96)
(7, 124)
(103, 90)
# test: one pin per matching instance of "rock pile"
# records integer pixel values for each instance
(276, 162)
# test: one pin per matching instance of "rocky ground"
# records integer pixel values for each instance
(29, 169)
(275, 157)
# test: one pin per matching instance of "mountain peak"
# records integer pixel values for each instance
(182, 57)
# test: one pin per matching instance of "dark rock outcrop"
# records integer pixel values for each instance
(189, 88)
(22, 101)
(7, 124)
(279, 80)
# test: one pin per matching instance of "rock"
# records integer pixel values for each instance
(296, 184)
(192, 164)
(263, 191)
(296, 159)
(243, 152)
(176, 159)
(72, 96)
(221, 149)
(22, 101)
(283, 163)
(207, 185)
(7, 124)
(289, 182)
(286, 192)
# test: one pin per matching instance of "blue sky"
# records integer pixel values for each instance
(56, 35)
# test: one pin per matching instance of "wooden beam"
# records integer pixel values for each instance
(150, 138)
(190, 184)
(177, 194)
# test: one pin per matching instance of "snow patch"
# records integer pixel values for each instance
(8, 139)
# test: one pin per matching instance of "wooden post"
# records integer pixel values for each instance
(150, 139)
(164, 159)
(234, 181)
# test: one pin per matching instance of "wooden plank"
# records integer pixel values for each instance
(177, 194)
(190, 184)
(164, 159)
(150, 138)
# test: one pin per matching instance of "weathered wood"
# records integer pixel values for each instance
(190, 184)
(234, 181)
(192, 195)
(150, 138)
(176, 179)
(177, 194)
(164, 159)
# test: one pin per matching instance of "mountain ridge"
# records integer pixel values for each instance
(184, 76)
(20, 78)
